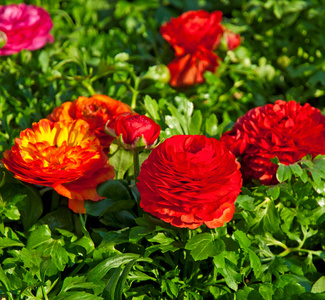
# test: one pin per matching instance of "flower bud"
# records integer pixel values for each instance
(134, 132)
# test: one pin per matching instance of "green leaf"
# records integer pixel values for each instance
(59, 255)
(204, 245)
(41, 236)
(211, 125)
(196, 122)
(319, 285)
(245, 202)
(77, 282)
(296, 169)
(7, 242)
(174, 124)
(137, 233)
(177, 117)
(110, 288)
(231, 277)
(121, 160)
(283, 173)
(107, 205)
(86, 243)
(271, 220)
(151, 107)
(114, 190)
(242, 239)
(78, 295)
(122, 280)
(98, 272)
(274, 192)
(266, 290)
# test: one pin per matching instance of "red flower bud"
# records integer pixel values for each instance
(233, 39)
(134, 132)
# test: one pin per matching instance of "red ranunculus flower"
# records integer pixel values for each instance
(135, 131)
(286, 130)
(25, 26)
(95, 110)
(188, 69)
(194, 35)
(189, 180)
(64, 155)
(193, 29)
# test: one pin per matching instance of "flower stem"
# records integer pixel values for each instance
(136, 171)
(136, 164)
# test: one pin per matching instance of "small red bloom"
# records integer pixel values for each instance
(189, 180)
(286, 130)
(135, 131)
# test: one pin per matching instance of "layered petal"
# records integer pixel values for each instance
(188, 69)
(189, 181)
(136, 131)
(25, 26)
(96, 111)
(64, 155)
(286, 130)
(193, 29)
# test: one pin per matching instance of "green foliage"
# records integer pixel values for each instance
(274, 246)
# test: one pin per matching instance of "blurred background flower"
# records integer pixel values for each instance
(26, 27)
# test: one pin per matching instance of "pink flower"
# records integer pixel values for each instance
(25, 26)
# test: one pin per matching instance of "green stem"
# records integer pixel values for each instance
(136, 171)
(136, 164)
(135, 92)
(89, 88)
(44, 293)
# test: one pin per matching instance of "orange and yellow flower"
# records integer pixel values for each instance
(65, 155)
(95, 110)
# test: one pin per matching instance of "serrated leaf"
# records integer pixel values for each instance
(204, 245)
